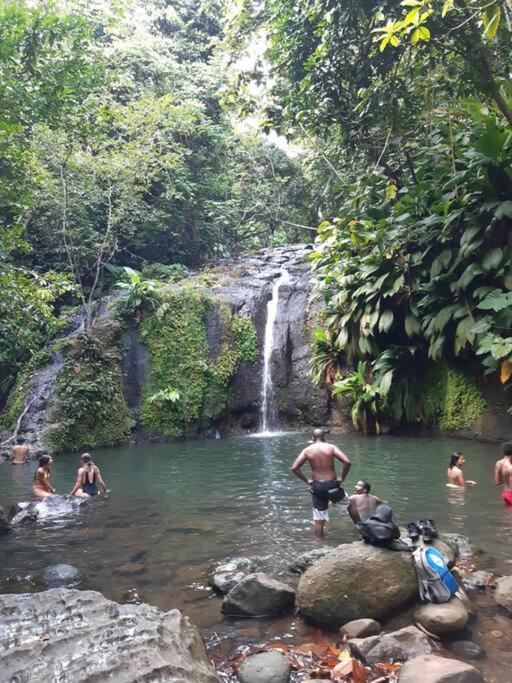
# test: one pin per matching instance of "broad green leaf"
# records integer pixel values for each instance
(412, 325)
(463, 334)
(504, 209)
(385, 320)
(385, 383)
(496, 301)
(493, 258)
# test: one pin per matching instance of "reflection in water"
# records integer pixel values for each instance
(177, 508)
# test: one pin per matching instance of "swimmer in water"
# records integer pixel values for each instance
(41, 487)
(503, 473)
(362, 505)
(87, 479)
(20, 453)
(455, 473)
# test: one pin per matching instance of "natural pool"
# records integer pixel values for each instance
(177, 508)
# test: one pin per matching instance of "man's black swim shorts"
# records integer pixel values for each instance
(324, 492)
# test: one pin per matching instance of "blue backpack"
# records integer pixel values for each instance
(436, 583)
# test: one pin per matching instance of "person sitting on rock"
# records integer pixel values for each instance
(325, 487)
(455, 473)
(362, 505)
(41, 487)
(87, 479)
(20, 453)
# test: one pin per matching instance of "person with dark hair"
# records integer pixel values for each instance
(41, 487)
(87, 479)
(455, 473)
(20, 453)
(362, 505)
(325, 486)
(503, 473)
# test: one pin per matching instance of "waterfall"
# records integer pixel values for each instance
(267, 388)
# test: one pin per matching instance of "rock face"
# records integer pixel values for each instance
(355, 581)
(78, 636)
(59, 575)
(400, 645)
(265, 667)
(445, 618)
(360, 628)
(503, 593)
(431, 669)
(258, 595)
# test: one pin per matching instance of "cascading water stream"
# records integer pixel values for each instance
(267, 388)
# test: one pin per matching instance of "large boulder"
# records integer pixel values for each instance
(265, 667)
(503, 593)
(72, 635)
(432, 669)
(400, 646)
(259, 595)
(445, 618)
(355, 581)
(60, 575)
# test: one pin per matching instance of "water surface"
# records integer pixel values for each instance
(176, 509)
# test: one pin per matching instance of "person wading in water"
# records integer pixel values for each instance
(20, 453)
(41, 487)
(87, 479)
(503, 473)
(325, 485)
(455, 473)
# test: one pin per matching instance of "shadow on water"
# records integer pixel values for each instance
(176, 509)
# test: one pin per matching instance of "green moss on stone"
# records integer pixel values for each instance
(17, 398)
(180, 362)
(452, 400)
(89, 410)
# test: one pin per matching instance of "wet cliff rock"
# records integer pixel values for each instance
(72, 635)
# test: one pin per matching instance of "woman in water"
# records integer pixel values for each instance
(41, 487)
(455, 473)
(87, 479)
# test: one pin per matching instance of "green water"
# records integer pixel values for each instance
(177, 508)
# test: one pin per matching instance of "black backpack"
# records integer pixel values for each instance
(380, 528)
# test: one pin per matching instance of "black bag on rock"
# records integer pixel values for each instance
(380, 528)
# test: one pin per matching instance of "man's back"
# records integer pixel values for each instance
(320, 457)
(19, 454)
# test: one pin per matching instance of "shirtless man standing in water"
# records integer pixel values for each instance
(325, 486)
(20, 452)
(503, 473)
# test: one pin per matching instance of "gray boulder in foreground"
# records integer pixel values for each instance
(265, 667)
(356, 581)
(444, 618)
(400, 645)
(503, 592)
(71, 635)
(432, 669)
(258, 595)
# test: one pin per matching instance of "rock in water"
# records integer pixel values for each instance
(304, 561)
(461, 545)
(265, 667)
(258, 595)
(479, 580)
(431, 669)
(354, 581)
(59, 575)
(503, 593)
(360, 628)
(4, 520)
(400, 645)
(467, 649)
(445, 618)
(228, 574)
(81, 636)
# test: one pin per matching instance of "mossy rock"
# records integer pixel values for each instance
(453, 401)
(356, 581)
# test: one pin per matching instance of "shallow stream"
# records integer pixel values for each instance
(176, 509)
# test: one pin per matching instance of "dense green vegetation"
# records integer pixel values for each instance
(124, 158)
(406, 107)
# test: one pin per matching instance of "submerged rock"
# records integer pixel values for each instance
(503, 593)
(59, 575)
(400, 645)
(265, 667)
(432, 669)
(304, 561)
(258, 595)
(467, 649)
(445, 618)
(354, 581)
(48, 508)
(473, 581)
(77, 636)
(4, 520)
(360, 628)
(228, 574)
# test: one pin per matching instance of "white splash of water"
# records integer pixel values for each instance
(267, 388)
